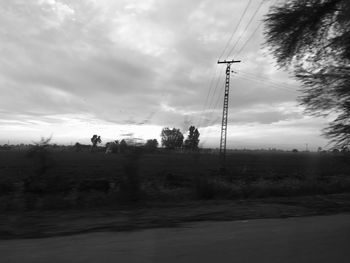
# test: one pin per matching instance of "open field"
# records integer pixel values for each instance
(84, 179)
(65, 192)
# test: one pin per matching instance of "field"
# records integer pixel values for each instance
(68, 179)
(58, 192)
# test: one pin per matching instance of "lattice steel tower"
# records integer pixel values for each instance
(225, 113)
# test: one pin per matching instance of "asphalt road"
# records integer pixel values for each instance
(305, 239)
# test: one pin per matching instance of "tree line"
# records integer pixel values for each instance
(171, 139)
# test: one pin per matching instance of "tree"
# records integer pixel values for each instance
(112, 147)
(151, 145)
(313, 38)
(192, 141)
(95, 140)
(172, 139)
(41, 155)
(123, 146)
(77, 147)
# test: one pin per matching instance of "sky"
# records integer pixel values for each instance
(128, 68)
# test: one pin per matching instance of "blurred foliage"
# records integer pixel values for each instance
(151, 145)
(172, 138)
(192, 141)
(41, 155)
(95, 140)
(83, 180)
(313, 37)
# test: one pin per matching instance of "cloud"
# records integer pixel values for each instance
(286, 134)
(139, 62)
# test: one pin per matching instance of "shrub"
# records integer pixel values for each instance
(151, 145)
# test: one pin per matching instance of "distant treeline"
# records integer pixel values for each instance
(79, 147)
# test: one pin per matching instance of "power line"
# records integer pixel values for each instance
(268, 85)
(240, 50)
(227, 44)
(279, 84)
(218, 84)
(245, 29)
(235, 30)
(271, 85)
(216, 87)
(275, 83)
(208, 94)
(251, 36)
(217, 101)
(209, 121)
(209, 115)
(223, 138)
(245, 78)
(215, 108)
(225, 48)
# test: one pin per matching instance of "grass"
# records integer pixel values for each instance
(76, 180)
(48, 223)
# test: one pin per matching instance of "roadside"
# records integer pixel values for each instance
(320, 239)
(36, 224)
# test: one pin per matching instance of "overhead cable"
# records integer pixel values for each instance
(245, 29)
(235, 30)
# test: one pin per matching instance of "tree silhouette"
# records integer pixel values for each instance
(172, 139)
(77, 147)
(313, 38)
(112, 147)
(192, 141)
(95, 140)
(41, 155)
(151, 145)
(123, 146)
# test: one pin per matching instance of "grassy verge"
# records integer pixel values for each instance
(31, 224)
(131, 191)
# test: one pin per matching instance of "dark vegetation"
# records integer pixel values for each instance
(172, 138)
(312, 38)
(95, 140)
(48, 190)
(54, 177)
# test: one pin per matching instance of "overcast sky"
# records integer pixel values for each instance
(123, 69)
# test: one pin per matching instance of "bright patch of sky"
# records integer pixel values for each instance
(72, 69)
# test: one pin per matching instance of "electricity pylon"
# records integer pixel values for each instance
(225, 114)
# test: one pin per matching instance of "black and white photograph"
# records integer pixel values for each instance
(174, 131)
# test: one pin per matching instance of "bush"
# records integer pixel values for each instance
(151, 145)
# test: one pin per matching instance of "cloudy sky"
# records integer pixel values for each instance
(128, 68)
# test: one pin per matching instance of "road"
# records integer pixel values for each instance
(305, 239)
